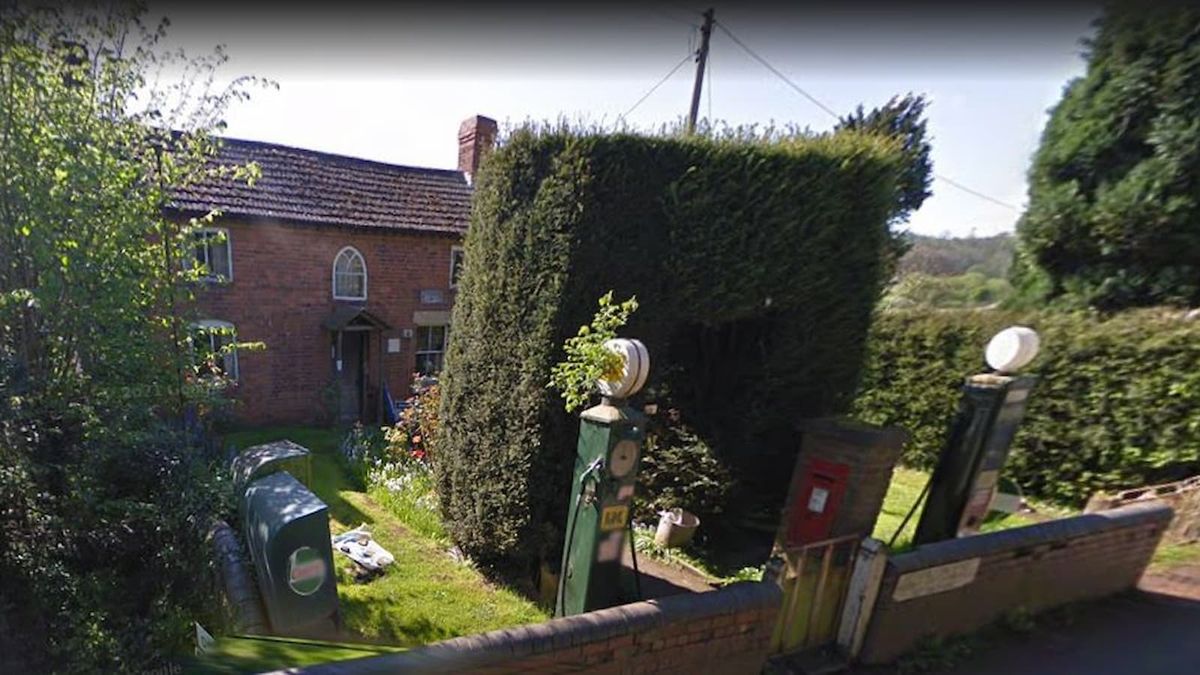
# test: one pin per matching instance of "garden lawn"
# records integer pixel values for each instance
(425, 595)
(906, 487)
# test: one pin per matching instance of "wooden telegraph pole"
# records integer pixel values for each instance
(701, 60)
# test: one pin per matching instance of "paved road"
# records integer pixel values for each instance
(1154, 630)
(1138, 632)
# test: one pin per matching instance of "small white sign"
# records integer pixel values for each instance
(204, 640)
(936, 579)
(816, 501)
(393, 345)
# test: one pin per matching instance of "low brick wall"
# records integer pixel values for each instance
(240, 599)
(962, 585)
(725, 631)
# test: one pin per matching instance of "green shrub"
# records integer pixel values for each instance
(1115, 404)
(756, 263)
(680, 470)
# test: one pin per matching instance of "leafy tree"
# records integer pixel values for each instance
(948, 256)
(102, 503)
(1114, 198)
(901, 118)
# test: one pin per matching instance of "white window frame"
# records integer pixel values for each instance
(419, 350)
(230, 365)
(211, 275)
(334, 273)
(454, 250)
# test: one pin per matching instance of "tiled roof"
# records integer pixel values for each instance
(318, 187)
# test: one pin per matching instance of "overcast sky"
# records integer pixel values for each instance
(393, 83)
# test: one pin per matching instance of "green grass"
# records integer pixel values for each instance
(425, 595)
(408, 508)
(904, 489)
(1175, 554)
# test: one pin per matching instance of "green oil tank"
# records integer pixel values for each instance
(261, 460)
(287, 531)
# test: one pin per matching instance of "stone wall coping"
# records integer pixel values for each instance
(1054, 531)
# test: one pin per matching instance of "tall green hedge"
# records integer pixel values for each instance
(1117, 403)
(756, 264)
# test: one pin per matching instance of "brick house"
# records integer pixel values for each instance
(345, 268)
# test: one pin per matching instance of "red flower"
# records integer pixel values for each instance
(419, 454)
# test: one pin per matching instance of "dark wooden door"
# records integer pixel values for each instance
(350, 378)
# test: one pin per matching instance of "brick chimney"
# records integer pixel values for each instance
(476, 138)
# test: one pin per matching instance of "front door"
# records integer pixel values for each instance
(350, 377)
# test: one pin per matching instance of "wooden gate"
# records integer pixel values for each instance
(814, 579)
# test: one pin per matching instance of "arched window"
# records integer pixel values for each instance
(349, 275)
(213, 345)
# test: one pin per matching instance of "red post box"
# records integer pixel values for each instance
(817, 495)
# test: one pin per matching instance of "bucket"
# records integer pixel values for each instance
(675, 528)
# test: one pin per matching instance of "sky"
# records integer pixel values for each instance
(393, 82)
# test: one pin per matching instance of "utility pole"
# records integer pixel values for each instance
(701, 60)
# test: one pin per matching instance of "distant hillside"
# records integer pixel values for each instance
(944, 257)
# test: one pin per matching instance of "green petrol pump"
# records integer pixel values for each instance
(611, 436)
(990, 411)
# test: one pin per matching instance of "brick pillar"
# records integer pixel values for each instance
(864, 454)
(476, 138)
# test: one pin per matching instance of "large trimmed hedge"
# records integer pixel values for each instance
(1117, 403)
(756, 265)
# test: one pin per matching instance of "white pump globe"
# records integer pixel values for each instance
(634, 371)
(1012, 349)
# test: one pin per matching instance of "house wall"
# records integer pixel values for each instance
(281, 292)
(961, 585)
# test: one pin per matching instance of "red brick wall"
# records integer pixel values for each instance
(282, 290)
(1032, 568)
(725, 631)
(868, 452)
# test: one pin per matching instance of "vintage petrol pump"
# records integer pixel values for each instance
(609, 452)
(989, 413)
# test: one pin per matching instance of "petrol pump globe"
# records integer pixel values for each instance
(636, 368)
(1012, 349)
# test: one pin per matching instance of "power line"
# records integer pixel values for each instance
(833, 114)
(773, 69)
(655, 87)
(977, 193)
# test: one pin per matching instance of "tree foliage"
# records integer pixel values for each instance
(587, 359)
(1114, 192)
(902, 118)
(104, 504)
(950, 256)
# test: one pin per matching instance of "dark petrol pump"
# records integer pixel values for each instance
(989, 413)
(611, 436)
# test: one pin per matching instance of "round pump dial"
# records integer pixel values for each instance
(624, 457)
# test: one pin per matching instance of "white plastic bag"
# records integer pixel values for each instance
(359, 546)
